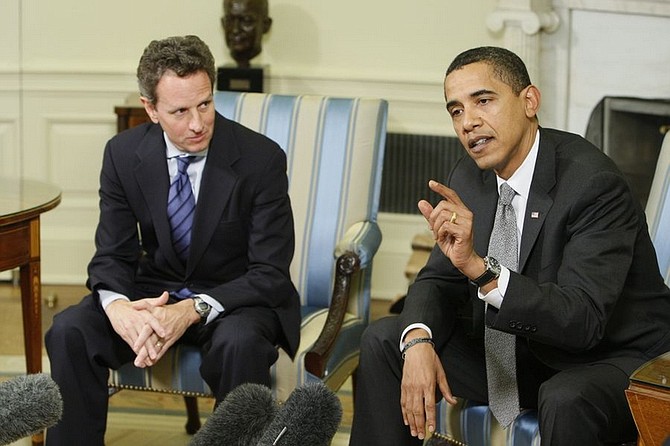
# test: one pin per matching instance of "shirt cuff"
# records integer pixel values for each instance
(495, 296)
(412, 327)
(107, 297)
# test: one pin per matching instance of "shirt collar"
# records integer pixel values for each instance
(172, 151)
(521, 179)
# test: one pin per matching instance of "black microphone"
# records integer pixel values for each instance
(309, 417)
(240, 419)
(28, 405)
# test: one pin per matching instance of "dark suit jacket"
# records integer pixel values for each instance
(588, 288)
(242, 237)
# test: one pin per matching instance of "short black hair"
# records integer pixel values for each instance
(507, 66)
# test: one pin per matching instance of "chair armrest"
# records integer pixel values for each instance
(363, 239)
(354, 252)
(316, 359)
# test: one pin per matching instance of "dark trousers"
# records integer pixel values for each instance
(82, 347)
(584, 405)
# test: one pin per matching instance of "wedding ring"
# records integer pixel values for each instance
(453, 218)
(159, 344)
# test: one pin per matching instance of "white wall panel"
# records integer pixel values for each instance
(10, 162)
(73, 61)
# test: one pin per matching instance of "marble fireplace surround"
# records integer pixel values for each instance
(579, 51)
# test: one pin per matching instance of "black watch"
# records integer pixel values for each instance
(202, 308)
(492, 272)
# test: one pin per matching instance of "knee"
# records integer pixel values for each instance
(559, 398)
(62, 331)
(380, 340)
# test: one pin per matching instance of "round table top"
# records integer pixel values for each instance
(22, 199)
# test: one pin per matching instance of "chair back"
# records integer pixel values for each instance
(658, 209)
(334, 149)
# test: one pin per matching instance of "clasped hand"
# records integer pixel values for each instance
(149, 326)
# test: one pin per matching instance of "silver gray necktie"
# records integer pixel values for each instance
(500, 346)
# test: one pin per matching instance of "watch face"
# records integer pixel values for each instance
(494, 265)
(202, 307)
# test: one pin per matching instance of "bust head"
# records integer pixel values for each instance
(244, 23)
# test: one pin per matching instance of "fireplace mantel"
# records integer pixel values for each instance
(646, 7)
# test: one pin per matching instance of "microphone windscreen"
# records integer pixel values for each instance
(309, 417)
(240, 419)
(28, 405)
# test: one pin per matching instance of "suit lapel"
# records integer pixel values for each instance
(485, 209)
(539, 200)
(152, 176)
(217, 184)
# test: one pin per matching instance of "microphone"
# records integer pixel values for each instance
(309, 417)
(240, 419)
(28, 405)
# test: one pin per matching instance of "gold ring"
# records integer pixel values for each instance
(159, 344)
(453, 218)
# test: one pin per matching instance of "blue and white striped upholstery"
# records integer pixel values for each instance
(334, 148)
(473, 424)
(658, 209)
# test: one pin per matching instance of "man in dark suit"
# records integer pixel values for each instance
(228, 290)
(583, 308)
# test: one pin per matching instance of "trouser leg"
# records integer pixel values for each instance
(242, 348)
(82, 346)
(585, 405)
(377, 413)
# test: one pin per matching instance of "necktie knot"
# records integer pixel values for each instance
(183, 162)
(506, 194)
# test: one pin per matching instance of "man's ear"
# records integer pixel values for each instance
(267, 23)
(150, 108)
(532, 100)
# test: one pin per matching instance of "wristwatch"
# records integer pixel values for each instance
(492, 272)
(202, 308)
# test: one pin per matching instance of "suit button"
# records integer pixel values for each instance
(519, 326)
(512, 324)
(533, 329)
(526, 327)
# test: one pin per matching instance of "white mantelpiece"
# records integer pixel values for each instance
(646, 7)
(578, 51)
(521, 22)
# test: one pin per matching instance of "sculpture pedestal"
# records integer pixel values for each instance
(233, 78)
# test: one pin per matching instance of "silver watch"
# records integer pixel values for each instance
(492, 272)
(202, 308)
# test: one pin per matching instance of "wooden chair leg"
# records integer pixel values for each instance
(192, 415)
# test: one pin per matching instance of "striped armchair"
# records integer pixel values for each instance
(335, 151)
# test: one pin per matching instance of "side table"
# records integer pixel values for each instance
(21, 204)
(649, 399)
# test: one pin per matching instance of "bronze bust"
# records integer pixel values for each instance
(244, 23)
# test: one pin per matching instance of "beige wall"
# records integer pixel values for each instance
(65, 64)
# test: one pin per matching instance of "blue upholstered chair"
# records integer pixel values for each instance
(658, 209)
(473, 424)
(335, 151)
